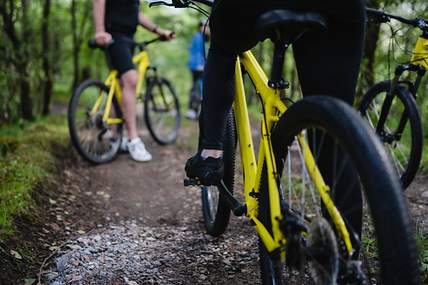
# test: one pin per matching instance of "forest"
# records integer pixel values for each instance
(44, 56)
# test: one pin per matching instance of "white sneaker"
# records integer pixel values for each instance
(191, 114)
(138, 151)
(124, 144)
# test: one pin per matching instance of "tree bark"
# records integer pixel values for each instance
(367, 76)
(20, 56)
(47, 68)
(76, 44)
(25, 86)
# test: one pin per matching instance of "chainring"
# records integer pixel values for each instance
(322, 253)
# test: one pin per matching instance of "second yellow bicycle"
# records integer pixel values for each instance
(95, 117)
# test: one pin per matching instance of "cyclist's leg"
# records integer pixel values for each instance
(194, 95)
(198, 75)
(218, 95)
(129, 101)
(120, 53)
(337, 55)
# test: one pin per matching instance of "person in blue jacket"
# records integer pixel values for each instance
(196, 65)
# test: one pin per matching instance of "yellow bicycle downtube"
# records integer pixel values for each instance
(108, 82)
(274, 199)
(248, 159)
(109, 100)
(323, 190)
(118, 94)
(245, 140)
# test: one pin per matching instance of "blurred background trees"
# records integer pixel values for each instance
(43, 52)
(44, 56)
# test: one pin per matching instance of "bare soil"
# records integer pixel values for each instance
(111, 207)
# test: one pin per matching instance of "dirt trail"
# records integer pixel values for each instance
(134, 223)
(137, 224)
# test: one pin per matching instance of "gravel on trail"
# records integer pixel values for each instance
(130, 223)
(133, 223)
(135, 254)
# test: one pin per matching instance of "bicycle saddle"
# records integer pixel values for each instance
(288, 24)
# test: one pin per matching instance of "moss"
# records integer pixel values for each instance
(26, 160)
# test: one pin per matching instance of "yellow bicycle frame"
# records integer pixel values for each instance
(420, 53)
(273, 109)
(112, 82)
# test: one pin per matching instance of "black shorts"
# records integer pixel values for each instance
(236, 34)
(119, 54)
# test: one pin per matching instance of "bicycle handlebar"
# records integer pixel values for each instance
(181, 3)
(93, 44)
(383, 17)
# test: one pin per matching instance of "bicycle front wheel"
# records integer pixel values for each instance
(363, 188)
(162, 111)
(402, 130)
(95, 140)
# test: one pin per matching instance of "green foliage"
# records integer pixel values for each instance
(422, 242)
(27, 157)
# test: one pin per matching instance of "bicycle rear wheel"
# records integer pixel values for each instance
(364, 190)
(162, 111)
(215, 210)
(402, 131)
(93, 139)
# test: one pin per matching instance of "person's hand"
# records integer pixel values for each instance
(103, 39)
(165, 34)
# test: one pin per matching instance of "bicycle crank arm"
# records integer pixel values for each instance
(237, 208)
(191, 182)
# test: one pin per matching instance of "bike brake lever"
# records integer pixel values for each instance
(160, 3)
(174, 3)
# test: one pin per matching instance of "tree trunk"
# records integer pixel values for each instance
(26, 101)
(24, 58)
(76, 44)
(367, 76)
(47, 69)
(372, 38)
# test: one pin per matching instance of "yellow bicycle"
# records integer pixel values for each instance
(390, 106)
(303, 192)
(95, 117)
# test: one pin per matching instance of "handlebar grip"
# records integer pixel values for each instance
(377, 16)
(92, 44)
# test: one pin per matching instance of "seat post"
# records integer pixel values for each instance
(276, 81)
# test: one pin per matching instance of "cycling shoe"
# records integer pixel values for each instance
(208, 171)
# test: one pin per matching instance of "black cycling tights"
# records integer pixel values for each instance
(327, 64)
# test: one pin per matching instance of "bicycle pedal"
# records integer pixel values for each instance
(191, 182)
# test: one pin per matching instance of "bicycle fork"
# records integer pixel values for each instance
(386, 106)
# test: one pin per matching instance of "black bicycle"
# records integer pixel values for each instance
(390, 105)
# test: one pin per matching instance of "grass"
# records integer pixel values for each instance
(422, 242)
(26, 160)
